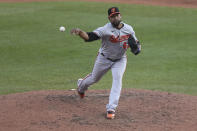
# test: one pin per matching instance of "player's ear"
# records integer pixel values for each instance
(109, 18)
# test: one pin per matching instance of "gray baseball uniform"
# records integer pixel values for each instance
(112, 55)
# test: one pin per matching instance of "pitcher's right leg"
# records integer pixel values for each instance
(101, 66)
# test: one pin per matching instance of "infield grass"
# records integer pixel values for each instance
(34, 55)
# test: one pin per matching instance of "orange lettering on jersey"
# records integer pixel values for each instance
(114, 39)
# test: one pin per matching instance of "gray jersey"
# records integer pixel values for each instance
(114, 41)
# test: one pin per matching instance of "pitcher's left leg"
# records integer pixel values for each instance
(118, 70)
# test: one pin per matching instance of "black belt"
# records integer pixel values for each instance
(113, 60)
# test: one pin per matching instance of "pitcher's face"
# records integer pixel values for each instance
(115, 19)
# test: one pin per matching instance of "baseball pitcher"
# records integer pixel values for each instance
(116, 37)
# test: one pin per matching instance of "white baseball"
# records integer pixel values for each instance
(72, 89)
(62, 29)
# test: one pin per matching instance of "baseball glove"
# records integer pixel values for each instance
(134, 45)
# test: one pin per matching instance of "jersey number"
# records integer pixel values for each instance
(125, 45)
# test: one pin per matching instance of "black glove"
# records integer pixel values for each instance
(134, 45)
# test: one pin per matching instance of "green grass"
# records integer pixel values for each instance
(34, 55)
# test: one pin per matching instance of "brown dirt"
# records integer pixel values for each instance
(139, 110)
(180, 3)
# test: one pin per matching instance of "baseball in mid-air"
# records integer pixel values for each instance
(62, 28)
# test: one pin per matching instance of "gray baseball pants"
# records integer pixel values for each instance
(101, 66)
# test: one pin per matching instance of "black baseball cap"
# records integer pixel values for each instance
(112, 11)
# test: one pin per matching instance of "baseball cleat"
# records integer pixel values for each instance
(81, 94)
(110, 114)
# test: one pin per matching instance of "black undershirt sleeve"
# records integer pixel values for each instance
(92, 36)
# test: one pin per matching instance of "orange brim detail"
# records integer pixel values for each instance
(114, 13)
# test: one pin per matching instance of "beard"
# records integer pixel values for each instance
(116, 23)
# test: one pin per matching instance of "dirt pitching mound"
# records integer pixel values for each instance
(139, 110)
